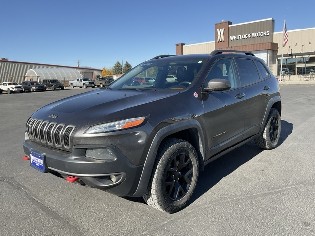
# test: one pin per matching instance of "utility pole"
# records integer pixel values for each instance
(78, 63)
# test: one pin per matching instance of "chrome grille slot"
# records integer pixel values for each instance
(32, 124)
(57, 135)
(42, 131)
(50, 134)
(35, 128)
(66, 136)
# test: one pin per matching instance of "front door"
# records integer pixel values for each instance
(223, 110)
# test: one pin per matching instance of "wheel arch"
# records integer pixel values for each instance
(274, 102)
(189, 131)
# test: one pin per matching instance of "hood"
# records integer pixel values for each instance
(94, 106)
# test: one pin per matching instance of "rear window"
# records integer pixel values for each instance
(247, 71)
(264, 73)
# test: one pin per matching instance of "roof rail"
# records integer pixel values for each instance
(162, 56)
(217, 52)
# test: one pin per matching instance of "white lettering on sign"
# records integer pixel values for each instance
(220, 35)
(250, 35)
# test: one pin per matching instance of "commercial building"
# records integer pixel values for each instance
(16, 71)
(259, 37)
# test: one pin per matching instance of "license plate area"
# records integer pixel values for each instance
(38, 161)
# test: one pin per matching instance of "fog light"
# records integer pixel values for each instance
(105, 154)
(113, 178)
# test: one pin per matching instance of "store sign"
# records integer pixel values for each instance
(220, 35)
(249, 35)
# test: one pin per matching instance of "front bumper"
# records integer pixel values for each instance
(117, 175)
(17, 90)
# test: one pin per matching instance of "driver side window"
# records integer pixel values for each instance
(223, 69)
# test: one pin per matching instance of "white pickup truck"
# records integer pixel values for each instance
(85, 82)
(11, 87)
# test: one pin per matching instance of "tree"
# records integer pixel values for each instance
(127, 67)
(117, 69)
(106, 72)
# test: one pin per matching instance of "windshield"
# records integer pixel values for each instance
(85, 79)
(168, 73)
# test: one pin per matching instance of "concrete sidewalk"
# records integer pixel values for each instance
(297, 79)
(302, 82)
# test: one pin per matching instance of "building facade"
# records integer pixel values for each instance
(16, 71)
(259, 37)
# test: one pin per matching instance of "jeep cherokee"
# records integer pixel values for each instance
(151, 140)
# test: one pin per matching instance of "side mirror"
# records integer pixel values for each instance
(218, 85)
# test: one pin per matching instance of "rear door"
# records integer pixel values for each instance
(253, 89)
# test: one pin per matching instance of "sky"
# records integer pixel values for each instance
(98, 33)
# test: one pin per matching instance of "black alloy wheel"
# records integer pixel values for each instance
(178, 175)
(274, 129)
(270, 135)
(174, 177)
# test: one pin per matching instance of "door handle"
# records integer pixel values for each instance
(266, 87)
(240, 95)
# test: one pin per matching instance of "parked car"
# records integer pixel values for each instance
(53, 84)
(104, 81)
(82, 83)
(152, 140)
(11, 87)
(33, 86)
(286, 71)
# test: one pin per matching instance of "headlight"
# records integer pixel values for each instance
(117, 125)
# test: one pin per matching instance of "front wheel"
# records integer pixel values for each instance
(269, 137)
(175, 176)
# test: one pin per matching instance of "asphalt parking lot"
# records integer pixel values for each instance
(247, 192)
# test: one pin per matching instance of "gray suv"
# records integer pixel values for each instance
(152, 138)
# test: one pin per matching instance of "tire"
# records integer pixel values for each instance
(71, 85)
(175, 176)
(8, 91)
(84, 86)
(269, 137)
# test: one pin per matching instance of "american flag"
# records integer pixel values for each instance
(285, 35)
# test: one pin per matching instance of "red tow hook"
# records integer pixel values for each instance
(26, 158)
(71, 179)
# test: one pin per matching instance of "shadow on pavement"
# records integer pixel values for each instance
(228, 163)
(286, 131)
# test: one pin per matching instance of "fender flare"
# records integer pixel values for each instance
(149, 163)
(271, 102)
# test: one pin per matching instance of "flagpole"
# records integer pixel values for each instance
(281, 74)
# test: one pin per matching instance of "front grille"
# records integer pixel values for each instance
(50, 133)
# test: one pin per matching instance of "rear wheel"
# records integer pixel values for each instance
(269, 137)
(175, 176)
